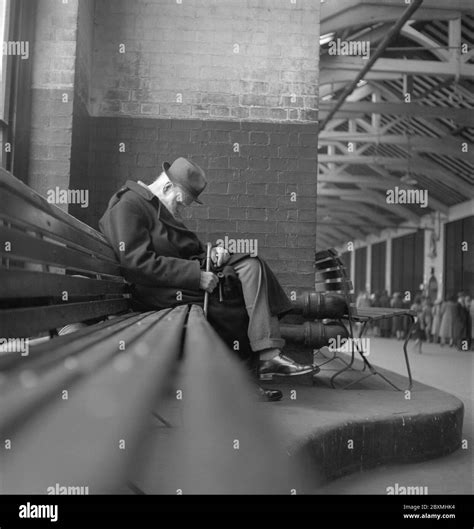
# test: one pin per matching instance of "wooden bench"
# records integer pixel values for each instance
(132, 402)
(332, 276)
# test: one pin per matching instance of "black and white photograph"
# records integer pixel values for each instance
(236, 264)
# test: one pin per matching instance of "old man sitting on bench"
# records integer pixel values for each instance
(165, 263)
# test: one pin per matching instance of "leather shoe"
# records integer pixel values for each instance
(269, 395)
(281, 365)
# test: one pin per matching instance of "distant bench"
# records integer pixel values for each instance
(332, 276)
(76, 409)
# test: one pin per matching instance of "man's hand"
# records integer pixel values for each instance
(208, 281)
(219, 256)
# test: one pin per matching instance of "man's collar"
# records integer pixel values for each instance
(141, 189)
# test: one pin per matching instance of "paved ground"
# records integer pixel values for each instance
(443, 368)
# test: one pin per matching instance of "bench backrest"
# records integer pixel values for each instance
(54, 269)
(331, 274)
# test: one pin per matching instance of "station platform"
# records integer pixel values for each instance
(341, 431)
(329, 432)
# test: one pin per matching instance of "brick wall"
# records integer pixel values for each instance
(232, 59)
(266, 192)
(232, 85)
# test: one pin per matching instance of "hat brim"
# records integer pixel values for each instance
(166, 166)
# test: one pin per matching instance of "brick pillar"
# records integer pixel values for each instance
(52, 94)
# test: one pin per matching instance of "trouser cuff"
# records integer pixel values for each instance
(267, 343)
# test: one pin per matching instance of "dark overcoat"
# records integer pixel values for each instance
(162, 259)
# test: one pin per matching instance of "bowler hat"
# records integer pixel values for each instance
(188, 175)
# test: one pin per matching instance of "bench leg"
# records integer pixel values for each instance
(373, 370)
(405, 352)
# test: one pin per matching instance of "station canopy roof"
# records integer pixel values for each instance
(408, 124)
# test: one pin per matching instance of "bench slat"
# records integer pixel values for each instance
(217, 408)
(18, 211)
(20, 284)
(50, 351)
(332, 274)
(330, 262)
(76, 441)
(325, 254)
(26, 247)
(26, 322)
(333, 286)
(8, 181)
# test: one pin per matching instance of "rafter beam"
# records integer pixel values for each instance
(336, 16)
(351, 232)
(352, 215)
(399, 66)
(416, 164)
(372, 197)
(329, 76)
(357, 209)
(462, 116)
(449, 145)
(420, 38)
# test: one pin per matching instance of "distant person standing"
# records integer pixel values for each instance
(427, 307)
(375, 302)
(436, 322)
(462, 324)
(448, 315)
(470, 324)
(398, 323)
(385, 324)
(418, 329)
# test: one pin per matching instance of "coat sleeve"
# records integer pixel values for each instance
(129, 233)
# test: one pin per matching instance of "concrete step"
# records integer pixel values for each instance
(338, 431)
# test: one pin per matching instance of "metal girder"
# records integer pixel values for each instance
(351, 215)
(399, 66)
(427, 42)
(399, 209)
(383, 181)
(461, 116)
(431, 169)
(358, 208)
(352, 13)
(449, 145)
(329, 76)
(372, 197)
(415, 163)
(346, 178)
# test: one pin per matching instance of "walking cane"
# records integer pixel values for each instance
(208, 269)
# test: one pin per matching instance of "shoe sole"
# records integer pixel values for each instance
(269, 376)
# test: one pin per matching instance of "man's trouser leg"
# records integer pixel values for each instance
(264, 330)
